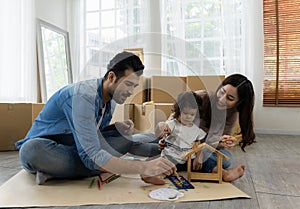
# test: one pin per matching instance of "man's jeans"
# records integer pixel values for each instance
(57, 155)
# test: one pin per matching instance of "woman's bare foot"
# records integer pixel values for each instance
(156, 180)
(234, 173)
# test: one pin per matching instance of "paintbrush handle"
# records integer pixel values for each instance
(177, 175)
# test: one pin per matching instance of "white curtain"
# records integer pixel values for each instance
(18, 75)
(173, 41)
(252, 40)
(238, 19)
(75, 28)
(229, 57)
(165, 46)
(233, 36)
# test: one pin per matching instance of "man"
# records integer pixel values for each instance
(71, 137)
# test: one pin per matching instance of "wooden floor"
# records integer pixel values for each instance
(272, 177)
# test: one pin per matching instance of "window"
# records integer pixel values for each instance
(197, 37)
(202, 31)
(281, 53)
(106, 22)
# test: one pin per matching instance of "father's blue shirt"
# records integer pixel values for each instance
(77, 109)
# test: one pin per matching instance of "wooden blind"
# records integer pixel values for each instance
(281, 53)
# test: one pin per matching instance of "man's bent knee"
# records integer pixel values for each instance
(30, 153)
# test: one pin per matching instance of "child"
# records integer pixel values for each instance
(180, 133)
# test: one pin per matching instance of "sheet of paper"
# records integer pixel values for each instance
(21, 191)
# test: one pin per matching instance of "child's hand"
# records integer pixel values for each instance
(166, 130)
(161, 144)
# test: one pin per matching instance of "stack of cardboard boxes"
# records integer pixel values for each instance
(16, 120)
(152, 101)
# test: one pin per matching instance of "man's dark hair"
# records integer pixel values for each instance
(122, 61)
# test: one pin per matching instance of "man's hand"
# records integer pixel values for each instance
(125, 127)
(159, 166)
(156, 168)
(162, 129)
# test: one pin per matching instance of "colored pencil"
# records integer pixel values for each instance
(99, 184)
(100, 177)
(112, 179)
(107, 179)
(92, 182)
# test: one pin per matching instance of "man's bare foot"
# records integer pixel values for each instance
(157, 180)
(234, 173)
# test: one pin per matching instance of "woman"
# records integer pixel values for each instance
(233, 99)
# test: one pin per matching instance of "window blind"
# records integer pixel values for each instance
(281, 53)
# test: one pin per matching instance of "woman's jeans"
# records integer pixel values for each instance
(210, 160)
(57, 155)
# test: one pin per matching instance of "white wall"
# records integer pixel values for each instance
(266, 119)
(52, 11)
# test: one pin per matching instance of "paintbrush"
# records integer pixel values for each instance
(177, 175)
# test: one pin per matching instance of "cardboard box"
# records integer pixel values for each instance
(209, 83)
(16, 119)
(122, 112)
(140, 93)
(165, 89)
(147, 116)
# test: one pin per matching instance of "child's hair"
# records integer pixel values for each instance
(186, 99)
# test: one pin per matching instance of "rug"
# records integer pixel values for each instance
(21, 191)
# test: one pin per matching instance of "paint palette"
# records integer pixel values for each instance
(166, 194)
(181, 183)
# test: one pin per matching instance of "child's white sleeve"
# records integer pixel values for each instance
(171, 124)
(201, 134)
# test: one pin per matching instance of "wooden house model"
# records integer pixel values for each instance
(195, 175)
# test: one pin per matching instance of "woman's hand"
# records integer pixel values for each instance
(227, 141)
